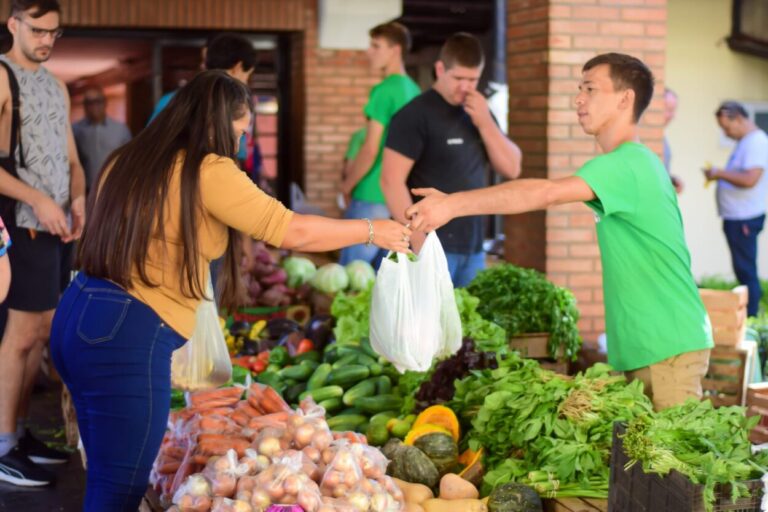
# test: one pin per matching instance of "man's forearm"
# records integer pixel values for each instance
(16, 189)
(739, 179)
(398, 199)
(504, 154)
(77, 182)
(359, 168)
(504, 199)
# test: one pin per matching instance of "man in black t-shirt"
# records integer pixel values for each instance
(446, 138)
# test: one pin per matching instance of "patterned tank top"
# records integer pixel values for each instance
(44, 122)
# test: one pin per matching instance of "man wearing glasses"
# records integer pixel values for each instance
(97, 135)
(42, 200)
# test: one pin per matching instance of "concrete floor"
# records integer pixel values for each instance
(67, 494)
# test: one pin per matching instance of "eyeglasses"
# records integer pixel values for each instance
(39, 33)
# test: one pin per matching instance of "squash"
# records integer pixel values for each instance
(473, 466)
(422, 430)
(412, 465)
(441, 505)
(414, 493)
(514, 497)
(391, 448)
(453, 487)
(412, 507)
(442, 416)
(441, 450)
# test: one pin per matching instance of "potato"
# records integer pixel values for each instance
(453, 487)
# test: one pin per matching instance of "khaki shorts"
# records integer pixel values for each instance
(674, 380)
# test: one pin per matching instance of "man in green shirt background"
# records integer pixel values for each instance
(656, 325)
(388, 46)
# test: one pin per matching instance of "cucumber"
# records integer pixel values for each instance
(345, 361)
(365, 360)
(365, 344)
(376, 434)
(376, 369)
(351, 410)
(374, 404)
(331, 353)
(311, 355)
(361, 428)
(292, 393)
(349, 375)
(300, 372)
(331, 405)
(324, 393)
(344, 350)
(320, 375)
(400, 429)
(364, 388)
(269, 378)
(383, 417)
(344, 422)
(383, 385)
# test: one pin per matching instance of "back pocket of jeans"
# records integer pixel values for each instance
(101, 318)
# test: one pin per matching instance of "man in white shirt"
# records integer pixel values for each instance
(741, 194)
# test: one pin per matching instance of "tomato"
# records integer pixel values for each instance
(305, 345)
(258, 366)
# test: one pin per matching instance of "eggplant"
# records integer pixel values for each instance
(279, 327)
(291, 341)
(250, 347)
(319, 330)
(240, 328)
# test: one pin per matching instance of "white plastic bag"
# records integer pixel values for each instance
(203, 361)
(414, 317)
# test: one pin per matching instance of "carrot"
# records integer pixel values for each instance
(168, 467)
(247, 409)
(221, 411)
(202, 397)
(271, 402)
(200, 458)
(218, 444)
(240, 418)
(216, 423)
(174, 452)
(276, 419)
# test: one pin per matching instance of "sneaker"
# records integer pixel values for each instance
(38, 452)
(17, 469)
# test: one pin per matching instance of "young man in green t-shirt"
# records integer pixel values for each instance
(388, 46)
(657, 328)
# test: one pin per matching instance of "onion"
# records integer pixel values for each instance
(270, 446)
(304, 435)
(291, 484)
(360, 501)
(261, 500)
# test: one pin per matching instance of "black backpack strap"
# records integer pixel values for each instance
(16, 115)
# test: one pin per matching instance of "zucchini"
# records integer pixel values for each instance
(345, 422)
(374, 404)
(319, 376)
(364, 388)
(331, 405)
(383, 385)
(324, 393)
(349, 375)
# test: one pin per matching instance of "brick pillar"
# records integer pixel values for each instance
(337, 87)
(559, 36)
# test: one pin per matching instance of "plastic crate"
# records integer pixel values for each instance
(636, 491)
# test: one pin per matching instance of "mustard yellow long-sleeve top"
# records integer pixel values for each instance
(229, 198)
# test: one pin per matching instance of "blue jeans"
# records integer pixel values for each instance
(464, 267)
(371, 254)
(742, 241)
(114, 354)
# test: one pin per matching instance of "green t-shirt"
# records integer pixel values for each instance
(355, 143)
(385, 100)
(652, 307)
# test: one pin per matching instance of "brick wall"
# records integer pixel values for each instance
(337, 87)
(560, 35)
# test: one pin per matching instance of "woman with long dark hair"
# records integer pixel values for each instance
(167, 203)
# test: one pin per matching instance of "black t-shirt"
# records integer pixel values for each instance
(448, 155)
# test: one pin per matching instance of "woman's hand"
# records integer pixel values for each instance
(391, 235)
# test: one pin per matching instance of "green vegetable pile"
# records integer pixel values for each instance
(352, 312)
(523, 301)
(543, 429)
(488, 336)
(708, 445)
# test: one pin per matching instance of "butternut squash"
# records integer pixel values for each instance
(414, 493)
(441, 505)
(453, 487)
(412, 507)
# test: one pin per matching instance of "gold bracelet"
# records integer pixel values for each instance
(370, 232)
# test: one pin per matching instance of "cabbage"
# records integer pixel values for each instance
(330, 278)
(360, 274)
(299, 270)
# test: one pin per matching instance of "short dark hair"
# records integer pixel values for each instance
(627, 72)
(225, 50)
(41, 7)
(462, 49)
(731, 110)
(394, 33)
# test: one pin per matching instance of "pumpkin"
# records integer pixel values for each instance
(412, 465)
(442, 416)
(422, 430)
(391, 448)
(441, 449)
(473, 466)
(514, 497)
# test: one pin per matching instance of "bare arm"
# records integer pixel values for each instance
(76, 180)
(512, 197)
(505, 155)
(747, 178)
(365, 157)
(395, 168)
(312, 233)
(5, 276)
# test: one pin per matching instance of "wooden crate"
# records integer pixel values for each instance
(575, 505)
(727, 310)
(534, 346)
(728, 375)
(724, 299)
(757, 405)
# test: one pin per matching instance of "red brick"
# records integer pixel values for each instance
(561, 117)
(644, 14)
(584, 280)
(572, 27)
(656, 29)
(582, 294)
(570, 265)
(595, 13)
(569, 235)
(595, 42)
(557, 161)
(568, 146)
(592, 309)
(526, 30)
(584, 324)
(560, 102)
(559, 41)
(581, 220)
(559, 11)
(622, 28)
(643, 43)
(584, 250)
(568, 86)
(556, 250)
(570, 56)
(557, 221)
(557, 132)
